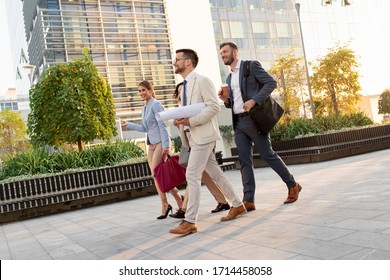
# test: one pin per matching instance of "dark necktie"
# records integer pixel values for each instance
(184, 97)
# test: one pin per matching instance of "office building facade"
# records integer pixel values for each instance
(132, 40)
(129, 41)
(263, 30)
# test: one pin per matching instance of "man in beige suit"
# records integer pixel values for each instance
(204, 134)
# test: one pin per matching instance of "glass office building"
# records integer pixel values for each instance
(129, 41)
(263, 30)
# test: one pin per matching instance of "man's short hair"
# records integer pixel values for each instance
(232, 45)
(191, 54)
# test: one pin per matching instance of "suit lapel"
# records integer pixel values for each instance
(147, 111)
(229, 82)
(242, 77)
(190, 89)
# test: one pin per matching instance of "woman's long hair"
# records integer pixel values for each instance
(176, 92)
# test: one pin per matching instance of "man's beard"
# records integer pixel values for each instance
(179, 70)
(230, 60)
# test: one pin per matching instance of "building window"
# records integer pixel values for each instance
(225, 29)
(9, 106)
(237, 30)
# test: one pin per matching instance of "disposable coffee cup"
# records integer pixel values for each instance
(225, 89)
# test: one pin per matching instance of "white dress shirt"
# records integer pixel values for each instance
(238, 105)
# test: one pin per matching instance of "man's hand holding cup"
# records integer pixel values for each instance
(223, 93)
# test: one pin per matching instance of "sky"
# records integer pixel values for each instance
(7, 76)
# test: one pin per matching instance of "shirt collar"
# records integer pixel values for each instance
(237, 67)
(190, 76)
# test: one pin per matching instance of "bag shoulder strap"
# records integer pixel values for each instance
(247, 70)
(247, 73)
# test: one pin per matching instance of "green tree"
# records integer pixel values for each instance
(72, 103)
(384, 102)
(13, 137)
(290, 76)
(335, 82)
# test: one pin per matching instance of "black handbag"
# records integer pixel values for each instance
(267, 114)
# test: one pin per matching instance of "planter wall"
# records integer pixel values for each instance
(327, 146)
(58, 193)
(40, 196)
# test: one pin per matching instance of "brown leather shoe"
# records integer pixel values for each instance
(250, 206)
(293, 194)
(184, 228)
(233, 213)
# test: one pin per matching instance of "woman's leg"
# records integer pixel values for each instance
(176, 194)
(154, 158)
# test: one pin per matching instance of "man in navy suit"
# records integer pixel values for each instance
(258, 86)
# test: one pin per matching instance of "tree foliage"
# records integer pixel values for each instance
(13, 137)
(384, 102)
(335, 82)
(71, 103)
(290, 76)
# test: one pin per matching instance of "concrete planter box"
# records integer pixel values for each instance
(327, 146)
(58, 193)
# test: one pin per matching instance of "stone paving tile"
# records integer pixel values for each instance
(318, 220)
(32, 252)
(106, 249)
(357, 213)
(368, 254)
(132, 254)
(43, 256)
(385, 205)
(229, 231)
(270, 239)
(83, 255)
(320, 232)
(383, 217)
(257, 252)
(319, 249)
(63, 251)
(302, 257)
(362, 224)
(4, 251)
(371, 240)
(216, 245)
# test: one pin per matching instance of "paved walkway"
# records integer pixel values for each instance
(343, 213)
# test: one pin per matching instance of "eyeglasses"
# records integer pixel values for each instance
(177, 59)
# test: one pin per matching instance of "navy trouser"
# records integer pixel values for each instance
(246, 135)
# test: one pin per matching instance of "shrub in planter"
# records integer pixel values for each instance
(42, 161)
(320, 124)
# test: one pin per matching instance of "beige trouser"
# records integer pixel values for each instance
(154, 158)
(211, 186)
(201, 159)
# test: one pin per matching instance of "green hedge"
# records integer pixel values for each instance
(320, 124)
(41, 161)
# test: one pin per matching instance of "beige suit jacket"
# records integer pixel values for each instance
(204, 126)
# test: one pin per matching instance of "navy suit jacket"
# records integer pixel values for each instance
(259, 84)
